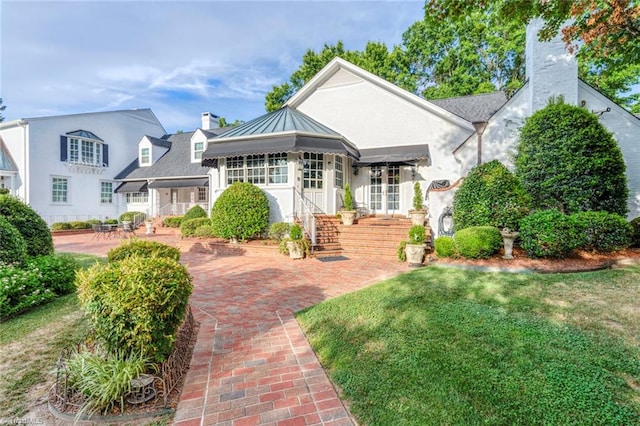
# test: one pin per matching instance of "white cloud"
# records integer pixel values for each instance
(178, 58)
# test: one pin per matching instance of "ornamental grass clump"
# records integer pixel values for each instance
(241, 212)
(143, 248)
(477, 242)
(136, 304)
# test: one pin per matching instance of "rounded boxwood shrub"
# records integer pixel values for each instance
(195, 212)
(77, 224)
(549, 233)
(128, 216)
(13, 248)
(477, 242)
(189, 226)
(33, 229)
(567, 160)
(603, 232)
(240, 212)
(204, 231)
(444, 247)
(143, 248)
(172, 221)
(136, 304)
(57, 272)
(490, 195)
(635, 237)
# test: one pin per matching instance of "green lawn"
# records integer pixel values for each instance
(451, 347)
(30, 345)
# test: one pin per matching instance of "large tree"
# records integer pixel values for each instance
(376, 58)
(604, 33)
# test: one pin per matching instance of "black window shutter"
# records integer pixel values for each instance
(63, 148)
(105, 154)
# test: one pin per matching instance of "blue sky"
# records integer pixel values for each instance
(178, 58)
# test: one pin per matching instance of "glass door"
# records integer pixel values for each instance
(384, 189)
(313, 180)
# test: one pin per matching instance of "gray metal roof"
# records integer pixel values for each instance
(473, 108)
(84, 134)
(176, 162)
(286, 119)
(159, 142)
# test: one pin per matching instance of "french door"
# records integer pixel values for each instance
(313, 185)
(384, 189)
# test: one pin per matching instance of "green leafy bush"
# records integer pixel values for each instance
(57, 272)
(103, 378)
(567, 160)
(549, 233)
(603, 232)
(417, 196)
(444, 247)
(348, 198)
(195, 212)
(635, 238)
(79, 225)
(400, 251)
(33, 229)
(129, 216)
(477, 242)
(189, 226)
(204, 231)
(279, 230)
(20, 290)
(60, 226)
(13, 248)
(111, 221)
(172, 221)
(490, 196)
(136, 304)
(295, 232)
(240, 212)
(143, 248)
(296, 236)
(417, 234)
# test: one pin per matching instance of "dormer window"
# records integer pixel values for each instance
(198, 149)
(145, 156)
(83, 148)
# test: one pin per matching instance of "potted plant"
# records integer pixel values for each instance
(296, 245)
(149, 227)
(419, 213)
(414, 247)
(348, 214)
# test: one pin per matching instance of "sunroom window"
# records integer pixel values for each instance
(261, 169)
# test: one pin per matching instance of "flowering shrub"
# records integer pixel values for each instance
(21, 289)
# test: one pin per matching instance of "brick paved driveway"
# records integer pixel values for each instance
(252, 364)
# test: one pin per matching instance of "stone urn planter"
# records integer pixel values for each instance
(149, 227)
(508, 237)
(415, 254)
(417, 216)
(348, 217)
(296, 249)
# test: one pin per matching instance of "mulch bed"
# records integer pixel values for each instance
(578, 261)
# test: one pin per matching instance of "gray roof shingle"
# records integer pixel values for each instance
(474, 107)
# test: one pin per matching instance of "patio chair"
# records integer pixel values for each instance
(100, 230)
(126, 229)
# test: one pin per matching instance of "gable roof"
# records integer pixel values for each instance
(164, 143)
(6, 161)
(473, 108)
(84, 134)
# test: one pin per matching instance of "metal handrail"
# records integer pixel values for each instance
(306, 217)
(178, 209)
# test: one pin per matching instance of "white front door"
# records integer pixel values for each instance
(384, 189)
(313, 185)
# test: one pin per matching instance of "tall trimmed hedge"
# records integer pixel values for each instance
(490, 195)
(549, 233)
(13, 249)
(240, 212)
(567, 160)
(603, 232)
(31, 226)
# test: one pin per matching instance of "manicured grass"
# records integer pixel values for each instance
(31, 344)
(443, 346)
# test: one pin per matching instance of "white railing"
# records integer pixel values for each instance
(304, 212)
(51, 219)
(179, 209)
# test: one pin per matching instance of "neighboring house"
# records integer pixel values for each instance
(166, 177)
(64, 166)
(348, 125)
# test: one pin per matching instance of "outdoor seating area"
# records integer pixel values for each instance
(121, 230)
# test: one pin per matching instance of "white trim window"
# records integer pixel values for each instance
(106, 192)
(256, 168)
(203, 195)
(145, 156)
(198, 149)
(59, 190)
(339, 172)
(136, 197)
(85, 152)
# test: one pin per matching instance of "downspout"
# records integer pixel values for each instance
(479, 126)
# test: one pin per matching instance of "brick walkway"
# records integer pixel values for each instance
(252, 364)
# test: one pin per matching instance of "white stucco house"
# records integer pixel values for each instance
(348, 125)
(65, 166)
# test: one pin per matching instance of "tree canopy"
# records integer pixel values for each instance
(465, 47)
